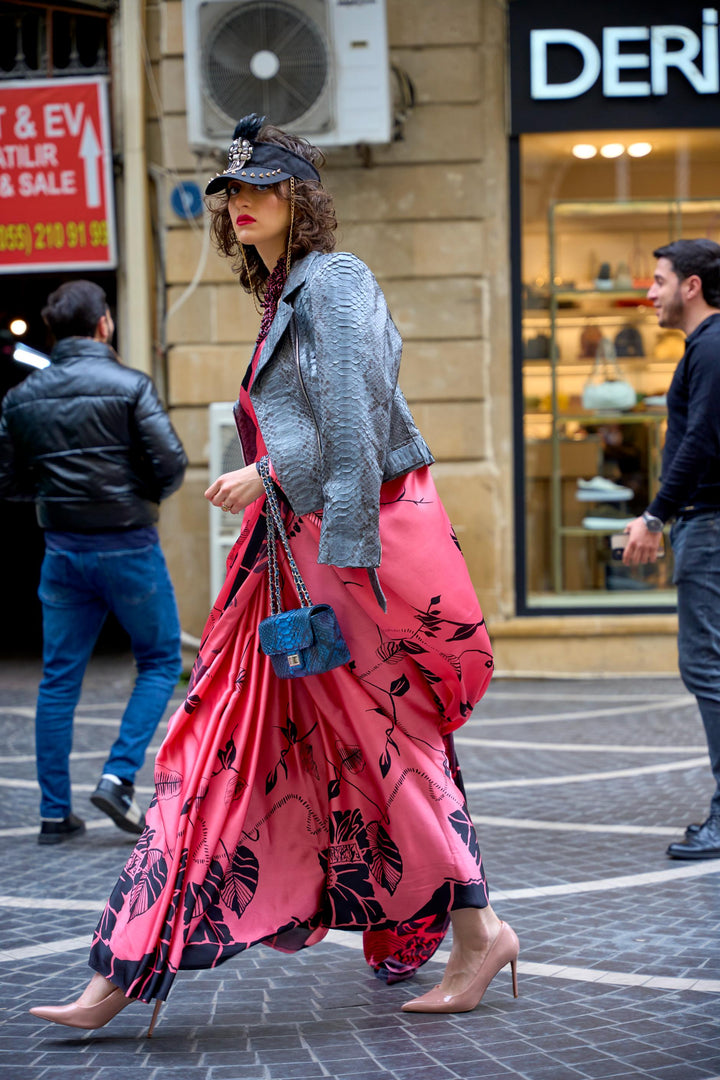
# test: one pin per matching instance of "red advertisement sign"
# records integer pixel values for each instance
(56, 192)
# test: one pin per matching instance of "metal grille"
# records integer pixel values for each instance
(50, 41)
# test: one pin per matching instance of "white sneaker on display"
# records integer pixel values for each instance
(599, 489)
(616, 524)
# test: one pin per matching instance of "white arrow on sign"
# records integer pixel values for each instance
(91, 153)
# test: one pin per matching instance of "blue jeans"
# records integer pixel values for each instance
(696, 547)
(77, 590)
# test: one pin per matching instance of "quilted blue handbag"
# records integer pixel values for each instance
(308, 639)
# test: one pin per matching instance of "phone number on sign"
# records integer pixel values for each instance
(53, 236)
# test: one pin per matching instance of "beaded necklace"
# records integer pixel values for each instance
(273, 291)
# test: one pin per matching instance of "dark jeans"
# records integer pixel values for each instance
(77, 590)
(696, 546)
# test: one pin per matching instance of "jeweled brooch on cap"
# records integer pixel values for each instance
(240, 152)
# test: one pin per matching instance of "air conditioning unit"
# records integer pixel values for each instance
(224, 456)
(317, 68)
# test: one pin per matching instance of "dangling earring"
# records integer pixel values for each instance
(288, 256)
(253, 291)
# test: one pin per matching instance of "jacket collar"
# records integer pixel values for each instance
(81, 348)
(296, 279)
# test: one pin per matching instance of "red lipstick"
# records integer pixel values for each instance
(244, 219)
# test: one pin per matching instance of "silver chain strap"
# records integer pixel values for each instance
(275, 524)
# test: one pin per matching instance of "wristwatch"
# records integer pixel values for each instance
(653, 524)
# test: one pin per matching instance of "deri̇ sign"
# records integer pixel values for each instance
(610, 67)
(659, 55)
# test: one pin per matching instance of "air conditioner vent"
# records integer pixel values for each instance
(266, 58)
(318, 68)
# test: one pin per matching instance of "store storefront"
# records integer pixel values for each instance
(613, 147)
(57, 222)
(615, 150)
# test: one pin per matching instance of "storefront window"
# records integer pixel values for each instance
(595, 365)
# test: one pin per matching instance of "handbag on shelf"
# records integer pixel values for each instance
(537, 348)
(628, 341)
(306, 640)
(590, 340)
(606, 389)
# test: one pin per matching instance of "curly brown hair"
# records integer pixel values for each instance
(314, 222)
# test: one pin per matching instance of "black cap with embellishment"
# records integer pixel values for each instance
(255, 162)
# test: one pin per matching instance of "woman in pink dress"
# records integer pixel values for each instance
(286, 807)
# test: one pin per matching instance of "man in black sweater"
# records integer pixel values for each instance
(686, 296)
(88, 439)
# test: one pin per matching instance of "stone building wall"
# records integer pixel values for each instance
(429, 215)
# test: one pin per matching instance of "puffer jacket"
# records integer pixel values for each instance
(89, 441)
(327, 400)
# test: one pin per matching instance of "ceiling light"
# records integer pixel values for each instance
(639, 149)
(18, 327)
(584, 150)
(612, 149)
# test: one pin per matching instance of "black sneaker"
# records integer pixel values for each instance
(55, 832)
(118, 802)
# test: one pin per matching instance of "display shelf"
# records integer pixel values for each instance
(583, 235)
(564, 293)
(579, 531)
(580, 599)
(611, 417)
(598, 418)
(570, 316)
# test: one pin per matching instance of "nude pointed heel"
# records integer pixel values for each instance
(88, 1017)
(156, 1011)
(92, 1017)
(504, 950)
(513, 969)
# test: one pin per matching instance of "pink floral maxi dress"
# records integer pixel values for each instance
(283, 808)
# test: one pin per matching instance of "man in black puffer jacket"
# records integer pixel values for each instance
(90, 442)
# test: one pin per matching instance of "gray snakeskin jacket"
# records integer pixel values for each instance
(325, 393)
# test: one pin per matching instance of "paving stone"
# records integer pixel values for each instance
(376, 1074)
(306, 1071)
(556, 1072)
(319, 1014)
(653, 1060)
(681, 1072)
(231, 1072)
(426, 1072)
(454, 1055)
(604, 1069)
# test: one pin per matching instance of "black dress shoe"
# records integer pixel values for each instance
(117, 800)
(701, 844)
(55, 832)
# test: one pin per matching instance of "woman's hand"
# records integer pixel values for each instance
(233, 491)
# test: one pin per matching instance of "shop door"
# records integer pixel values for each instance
(22, 298)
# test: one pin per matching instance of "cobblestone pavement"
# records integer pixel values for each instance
(576, 788)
